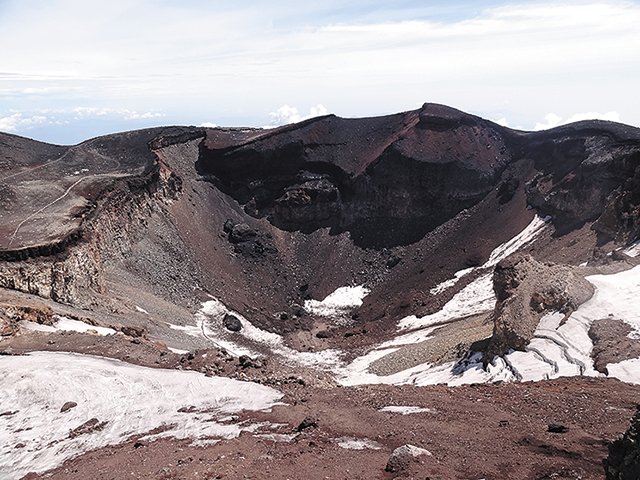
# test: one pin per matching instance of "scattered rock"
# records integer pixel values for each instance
(241, 232)
(68, 406)
(135, 332)
(247, 362)
(90, 426)
(232, 323)
(393, 261)
(403, 456)
(228, 225)
(557, 428)
(308, 422)
(623, 462)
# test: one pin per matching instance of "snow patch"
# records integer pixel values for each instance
(441, 287)
(475, 298)
(404, 410)
(633, 250)
(178, 351)
(338, 304)
(627, 370)
(251, 340)
(351, 443)
(525, 237)
(67, 325)
(129, 399)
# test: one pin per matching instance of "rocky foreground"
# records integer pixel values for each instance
(424, 247)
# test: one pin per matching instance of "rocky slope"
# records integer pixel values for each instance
(197, 238)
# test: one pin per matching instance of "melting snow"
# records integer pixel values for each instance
(131, 400)
(475, 298)
(338, 304)
(556, 350)
(66, 324)
(357, 443)
(404, 410)
(633, 250)
(251, 340)
(499, 253)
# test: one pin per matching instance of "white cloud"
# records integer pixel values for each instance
(17, 122)
(286, 114)
(552, 120)
(208, 125)
(178, 57)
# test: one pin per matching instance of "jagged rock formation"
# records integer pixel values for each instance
(611, 343)
(525, 290)
(387, 180)
(623, 462)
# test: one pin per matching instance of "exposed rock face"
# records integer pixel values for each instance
(72, 278)
(8, 325)
(527, 289)
(588, 171)
(623, 462)
(387, 180)
(611, 343)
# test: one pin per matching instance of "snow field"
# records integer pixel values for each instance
(131, 400)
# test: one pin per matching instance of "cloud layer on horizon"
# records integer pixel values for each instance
(219, 62)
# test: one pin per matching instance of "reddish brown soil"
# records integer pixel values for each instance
(473, 432)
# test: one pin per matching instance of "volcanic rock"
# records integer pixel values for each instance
(557, 428)
(525, 290)
(232, 323)
(308, 422)
(611, 343)
(241, 232)
(68, 406)
(403, 456)
(396, 203)
(623, 462)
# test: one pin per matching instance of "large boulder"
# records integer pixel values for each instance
(403, 456)
(525, 291)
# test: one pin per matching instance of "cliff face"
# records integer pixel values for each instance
(267, 219)
(388, 181)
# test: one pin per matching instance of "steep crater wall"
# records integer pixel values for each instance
(414, 175)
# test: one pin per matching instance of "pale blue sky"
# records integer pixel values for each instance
(72, 69)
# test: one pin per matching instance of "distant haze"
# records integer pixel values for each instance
(70, 70)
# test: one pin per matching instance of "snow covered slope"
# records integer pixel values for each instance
(115, 401)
